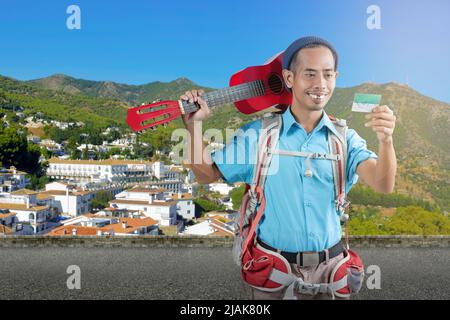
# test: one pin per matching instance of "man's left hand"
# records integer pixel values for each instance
(382, 121)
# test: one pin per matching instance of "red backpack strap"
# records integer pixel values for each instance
(268, 138)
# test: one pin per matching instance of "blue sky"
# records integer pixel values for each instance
(138, 41)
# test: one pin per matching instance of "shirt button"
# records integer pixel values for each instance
(308, 203)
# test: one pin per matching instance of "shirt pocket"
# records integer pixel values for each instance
(323, 170)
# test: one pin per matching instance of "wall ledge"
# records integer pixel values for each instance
(400, 241)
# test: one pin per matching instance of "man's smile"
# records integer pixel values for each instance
(317, 96)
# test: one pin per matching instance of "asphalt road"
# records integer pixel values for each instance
(194, 273)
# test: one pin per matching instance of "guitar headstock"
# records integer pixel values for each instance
(151, 115)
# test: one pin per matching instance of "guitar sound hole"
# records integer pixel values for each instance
(275, 83)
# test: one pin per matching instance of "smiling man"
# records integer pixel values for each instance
(300, 217)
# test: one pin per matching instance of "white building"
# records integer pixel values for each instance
(12, 179)
(222, 188)
(100, 171)
(66, 199)
(159, 170)
(50, 145)
(32, 217)
(227, 202)
(92, 147)
(210, 227)
(185, 205)
(150, 202)
(173, 186)
(34, 139)
(8, 222)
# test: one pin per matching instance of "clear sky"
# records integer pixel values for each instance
(139, 41)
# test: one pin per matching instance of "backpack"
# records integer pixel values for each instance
(270, 271)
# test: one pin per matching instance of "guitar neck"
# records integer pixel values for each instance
(228, 95)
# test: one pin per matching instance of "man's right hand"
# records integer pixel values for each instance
(200, 114)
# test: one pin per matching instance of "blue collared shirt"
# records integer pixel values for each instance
(300, 214)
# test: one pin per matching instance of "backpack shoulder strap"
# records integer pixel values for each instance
(267, 141)
(268, 138)
(338, 145)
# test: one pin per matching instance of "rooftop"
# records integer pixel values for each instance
(5, 230)
(7, 215)
(62, 193)
(98, 162)
(184, 196)
(24, 192)
(133, 224)
(147, 190)
(22, 207)
(67, 230)
(143, 202)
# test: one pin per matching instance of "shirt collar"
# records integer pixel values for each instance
(289, 121)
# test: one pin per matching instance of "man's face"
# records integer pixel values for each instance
(314, 79)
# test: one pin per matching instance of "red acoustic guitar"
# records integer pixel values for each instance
(252, 89)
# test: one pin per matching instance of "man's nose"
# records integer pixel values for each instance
(320, 81)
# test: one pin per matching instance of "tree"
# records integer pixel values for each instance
(236, 196)
(85, 153)
(410, 220)
(75, 154)
(416, 220)
(160, 138)
(15, 151)
(207, 205)
(101, 199)
(37, 182)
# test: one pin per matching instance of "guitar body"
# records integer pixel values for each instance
(275, 93)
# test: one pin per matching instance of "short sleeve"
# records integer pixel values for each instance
(236, 159)
(357, 153)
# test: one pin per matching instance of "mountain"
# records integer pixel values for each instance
(422, 127)
(59, 105)
(131, 94)
(421, 137)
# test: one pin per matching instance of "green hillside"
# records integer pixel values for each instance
(61, 106)
(131, 94)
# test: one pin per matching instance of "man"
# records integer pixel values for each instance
(300, 215)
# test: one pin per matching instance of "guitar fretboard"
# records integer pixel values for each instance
(228, 95)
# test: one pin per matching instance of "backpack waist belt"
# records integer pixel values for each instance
(306, 259)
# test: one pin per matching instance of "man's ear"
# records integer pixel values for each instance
(288, 77)
(337, 73)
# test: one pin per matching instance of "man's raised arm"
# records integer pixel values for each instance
(200, 162)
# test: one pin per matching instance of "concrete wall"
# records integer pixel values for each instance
(205, 241)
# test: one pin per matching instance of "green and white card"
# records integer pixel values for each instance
(365, 102)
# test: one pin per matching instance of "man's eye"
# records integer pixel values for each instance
(310, 75)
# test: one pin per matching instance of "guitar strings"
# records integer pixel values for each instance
(236, 93)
